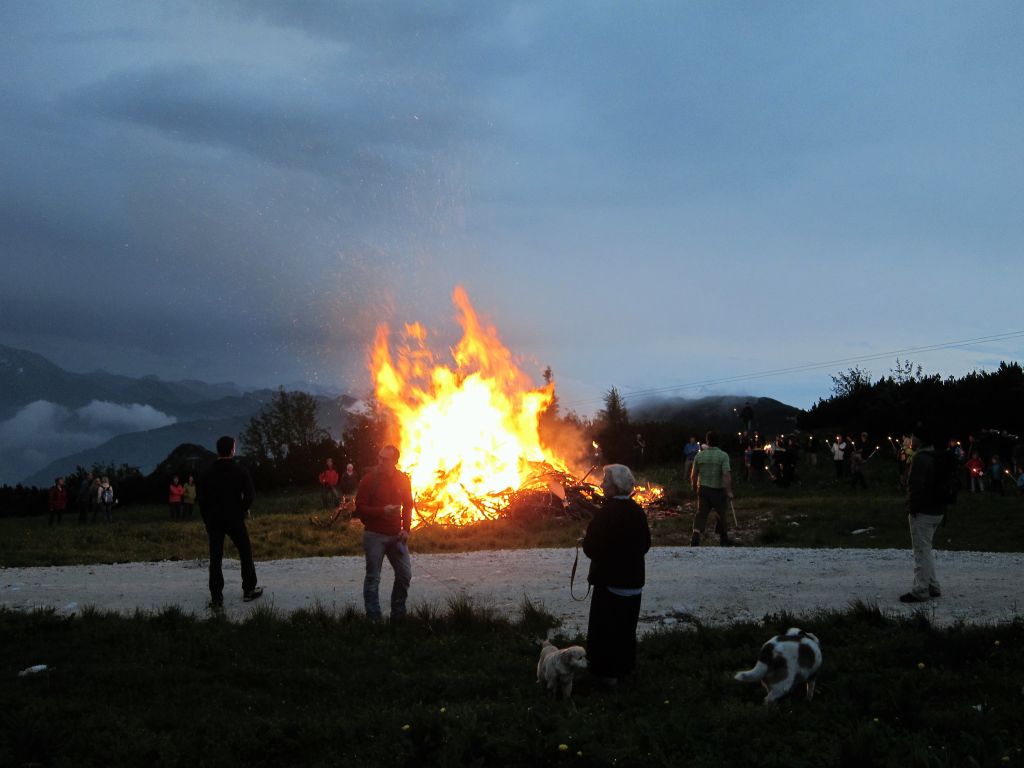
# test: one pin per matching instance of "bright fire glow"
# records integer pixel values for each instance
(466, 431)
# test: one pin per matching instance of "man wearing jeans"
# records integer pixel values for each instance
(384, 504)
(925, 510)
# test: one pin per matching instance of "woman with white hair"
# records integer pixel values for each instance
(616, 541)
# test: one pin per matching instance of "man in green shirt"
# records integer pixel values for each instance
(711, 478)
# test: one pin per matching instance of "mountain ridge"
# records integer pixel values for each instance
(52, 419)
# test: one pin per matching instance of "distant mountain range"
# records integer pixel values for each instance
(52, 420)
(26, 377)
(720, 412)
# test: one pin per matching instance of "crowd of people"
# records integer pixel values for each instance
(93, 500)
(617, 537)
(778, 459)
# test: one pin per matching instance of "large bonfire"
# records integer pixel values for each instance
(468, 430)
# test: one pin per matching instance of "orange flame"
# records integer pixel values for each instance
(468, 431)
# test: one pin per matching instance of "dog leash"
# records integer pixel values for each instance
(572, 578)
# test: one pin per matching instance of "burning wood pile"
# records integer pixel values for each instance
(468, 433)
(545, 492)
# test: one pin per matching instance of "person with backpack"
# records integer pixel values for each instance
(931, 479)
(105, 499)
(384, 503)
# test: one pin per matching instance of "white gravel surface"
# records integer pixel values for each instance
(711, 584)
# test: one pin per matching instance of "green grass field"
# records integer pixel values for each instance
(817, 513)
(455, 686)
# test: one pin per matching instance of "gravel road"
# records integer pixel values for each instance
(714, 585)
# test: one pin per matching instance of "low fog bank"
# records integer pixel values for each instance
(43, 431)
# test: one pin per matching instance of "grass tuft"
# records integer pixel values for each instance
(535, 618)
(465, 611)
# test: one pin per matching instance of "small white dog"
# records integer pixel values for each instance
(556, 668)
(786, 661)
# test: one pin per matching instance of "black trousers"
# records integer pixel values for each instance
(239, 535)
(611, 633)
(708, 499)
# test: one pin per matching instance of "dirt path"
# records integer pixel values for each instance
(715, 585)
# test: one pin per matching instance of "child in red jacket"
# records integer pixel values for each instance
(976, 472)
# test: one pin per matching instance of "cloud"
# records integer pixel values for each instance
(43, 431)
(121, 419)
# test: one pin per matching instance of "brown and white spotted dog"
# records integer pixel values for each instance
(786, 661)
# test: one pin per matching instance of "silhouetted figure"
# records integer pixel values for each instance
(58, 500)
(225, 497)
(690, 451)
(105, 499)
(348, 483)
(174, 493)
(924, 511)
(711, 479)
(329, 485)
(747, 417)
(857, 462)
(94, 499)
(616, 541)
(996, 475)
(188, 497)
(976, 473)
(839, 448)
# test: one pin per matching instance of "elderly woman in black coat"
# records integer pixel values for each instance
(616, 541)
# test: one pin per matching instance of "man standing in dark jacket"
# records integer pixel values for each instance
(225, 495)
(384, 503)
(616, 541)
(925, 511)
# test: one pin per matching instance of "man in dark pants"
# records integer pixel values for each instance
(926, 506)
(711, 480)
(225, 495)
(82, 498)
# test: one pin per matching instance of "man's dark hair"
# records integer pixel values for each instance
(225, 446)
(711, 438)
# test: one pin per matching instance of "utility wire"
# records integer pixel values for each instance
(807, 367)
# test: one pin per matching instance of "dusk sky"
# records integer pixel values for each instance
(645, 195)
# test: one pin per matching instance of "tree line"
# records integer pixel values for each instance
(979, 401)
(284, 446)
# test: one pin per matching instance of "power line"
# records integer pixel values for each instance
(808, 367)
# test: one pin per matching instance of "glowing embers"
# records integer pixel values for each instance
(468, 429)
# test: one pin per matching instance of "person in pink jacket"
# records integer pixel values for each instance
(175, 492)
